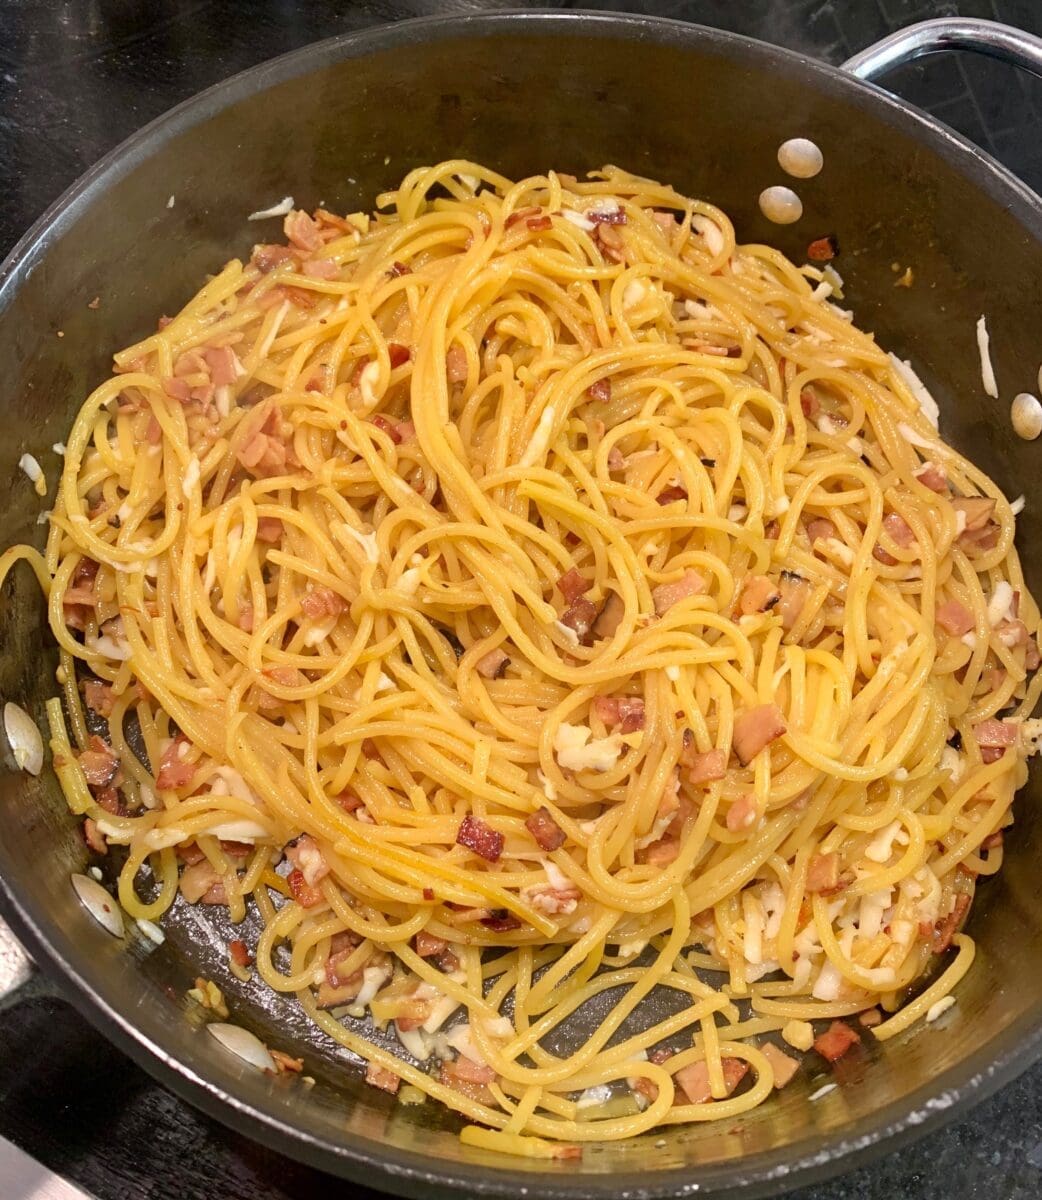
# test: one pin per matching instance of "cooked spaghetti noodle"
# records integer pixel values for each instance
(531, 568)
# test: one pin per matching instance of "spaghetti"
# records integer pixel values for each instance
(529, 568)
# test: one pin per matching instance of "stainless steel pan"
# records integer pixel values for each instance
(339, 122)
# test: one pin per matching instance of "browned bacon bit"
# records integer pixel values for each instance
(743, 813)
(756, 729)
(932, 476)
(382, 423)
(783, 1065)
(870, 1018)
(501, 921)
(542, 826)
(668, 594)
(539, 223)
(98, 764)
(992, 841)
(611, 243)
(429, 946)
(306, 856)
(993, 734)
(174, 772)
(322, 602)
(301, 231)
(92, 836)
(809, 403)
(493, 664)
(428, 893)
(600, 390)
(397, 354)
(239, 953)
(348, 800)
(269, 530)
(370, 749)
(616, 216)
(285, 1064)
(398, 269)
(625, 711)
(899, 532)
(380, 1077)
(660, 853)
(108, 799)
(771, 531)
(977, 510)
(200, 883)
(320, 268)
(99, 697)
(694, 1079)
(299, 297)
(304, 894)
(670, 494)
(707, 767)
(519, 215)
(456, 363)
(572, 585)
(823, 249)
(481, 838)
(580, 617)
(820, 529)
(610, 617)
(153, 435)
(178, 389)
(758, 595)
(823, 873)
(836, 1041)
(955, 618)
(470, 1078)
(331, 995)
(946, 929)
(267, 258)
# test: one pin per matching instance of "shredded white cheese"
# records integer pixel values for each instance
(366, 540)
(34, 471)
(578, 219)
(926, 402)
(939, 1008)
(913, 438)
(540, 439)
(161, 839)
(673, 673)
(567, 632)
(549, 791)
(190, 479)
(1017, 506)
(575, 751)
(59, 449)
(409, 582)
(710, 232)
(823, 1091)
(987, 371)
(999, 603)
(952, 762)
(881, 847)
(282, 209)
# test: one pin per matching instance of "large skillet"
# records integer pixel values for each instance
(339, 122)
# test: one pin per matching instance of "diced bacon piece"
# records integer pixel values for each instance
(539, 223)
(742, 814)
(610, 617)
(332, 995)
(898, 529)
(977, 510)
(304, 894)
(380, 1077)
(174, 772)
(759, 594)
(320, 268)
(755, 729)
(322, 602)
(381, 422)
(519, 215)
(99, 764)
(108, 799)
(933, 476)
(456, 363)
(239, 953)
(671, 494)
(457, 1077)
(397, 269)
(191, 362)
(306, 856)
(600, 390)
(954, 618)
(178, 389)
(660, 853)
(616, 459)
(572, 585)
(542, 826)
(153, 431)
(610, 241)
(783, 1065)
(554, 901)
(301, 231)
(707, 767)
(694, 1079)
(666, 222)
(298, 297)
(624, 711)
(836, 1041)
(945, 929)
(397, 354)
(481, 838)
(870, 1018)
(92, 836)
(823, 249)
(200, 883)
(580, 617)
(99, 697)
(809, 403)
(820, 529)
(267, 258)
(224, 366)
(429, 946)
(269, 531)
(614, 216)
(996, 733)
(823, 873)
(1032, 656)
(493, 664)
(668, 594)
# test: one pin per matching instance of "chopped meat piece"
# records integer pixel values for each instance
(239, 953)
(301, 231)
(610, 241)
(823, 873)
(542, 826)
(977, 510)
(269, 530)
(224, 366)
(306, 855)
(783, 1065)
(870, 1018)
(823, 249)
(303, 892)
(668, 594)
(285, 1063)
(759, 594)
(332, 995)
(320, 268)
(92, 836)
(610, 616)
(933, 476)
(459, 1078)
(954, 618)
(108, 799)
(625, 711)
(267, 258)
(99, 697)
(429, 946)
(580, 617)
(661, 853)
(519, 215)
(996, 735)
(820, 529)
(500, 921)
(397, 354)
(743, 813)
(174, 771)
(601, 390)
(836, 1041)
(322, 602)
(707, 767)
(614, 216)
(694, 1079)
(380, 1077)
(456, 364)
(201, 883)
(481, 838)
(493, 664)
(756, 729)
(794, 590)
(99, 764)
(672, 493)
(809, 403)
(572, 585)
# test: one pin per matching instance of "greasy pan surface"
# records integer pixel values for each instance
(339, 122)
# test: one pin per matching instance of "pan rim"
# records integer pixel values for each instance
(408, 1172)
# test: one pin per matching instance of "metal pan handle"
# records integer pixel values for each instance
(1014, 46)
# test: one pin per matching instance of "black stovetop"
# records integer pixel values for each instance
(78, 76)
